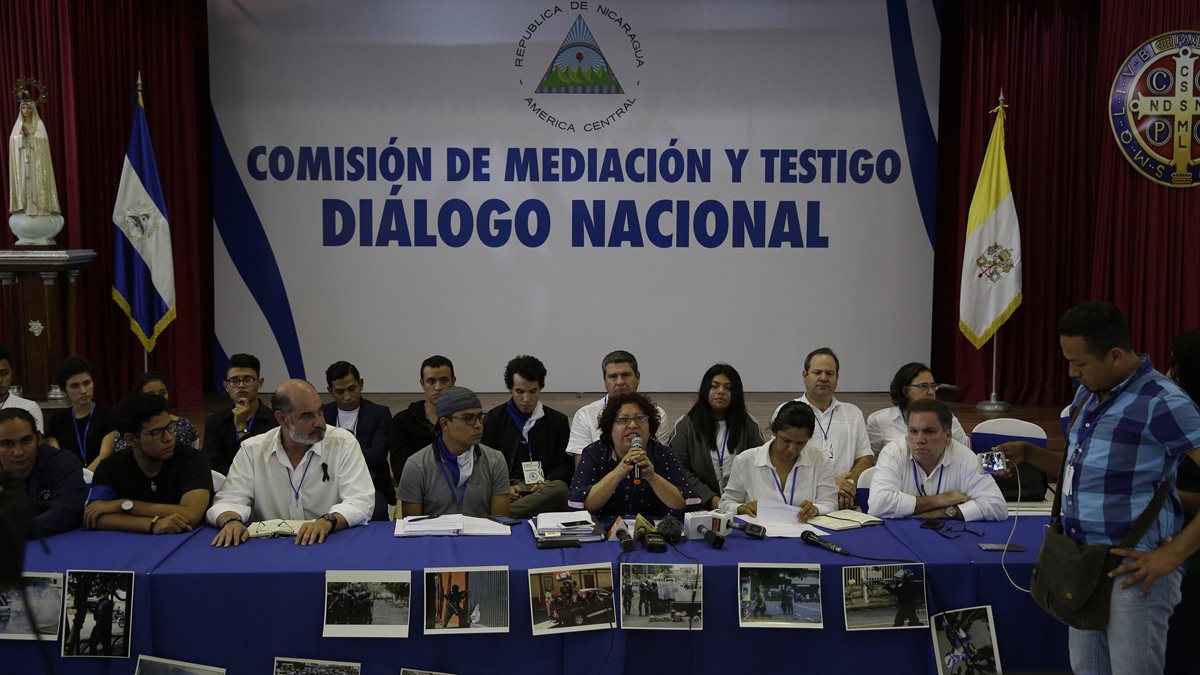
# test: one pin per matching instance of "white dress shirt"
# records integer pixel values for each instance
(754, 479)
(263, 485)
(887, 425)
(841, 433)
(899, 480)
(585, 431)
(14, 401)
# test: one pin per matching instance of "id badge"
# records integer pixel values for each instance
(827, 446)
(533, 473)
(1068, 478)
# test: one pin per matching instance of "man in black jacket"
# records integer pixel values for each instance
(533, 438)
(414, 427)
(369, 422)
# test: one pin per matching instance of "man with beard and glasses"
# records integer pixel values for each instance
(301, 470)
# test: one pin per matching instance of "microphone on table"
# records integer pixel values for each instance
(670, 529)
(625, 539)
(811, 538)
(638, 444)
(653, 541)
(751, 529)
(714, 539)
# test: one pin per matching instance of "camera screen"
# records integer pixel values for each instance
(991, 462)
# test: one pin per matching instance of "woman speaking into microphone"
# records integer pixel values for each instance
(628, 471)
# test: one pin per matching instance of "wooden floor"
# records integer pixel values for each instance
(760, 404)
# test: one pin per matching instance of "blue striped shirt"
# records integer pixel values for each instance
(1121, 451)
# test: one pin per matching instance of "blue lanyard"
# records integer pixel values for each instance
(920, 487)
(458, 498)
(237, 438)
(86, 428)
(721, 451)
(296, 490)
(790, 501)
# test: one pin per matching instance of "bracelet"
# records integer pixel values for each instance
(152, 522)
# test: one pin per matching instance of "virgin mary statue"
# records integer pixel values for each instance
(32, 196)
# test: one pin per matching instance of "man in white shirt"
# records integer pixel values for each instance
(11, 400)
(621, 375)
(841, 429)
(301, 470)
(931, 475)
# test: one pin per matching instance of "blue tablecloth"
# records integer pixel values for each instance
(239, 608)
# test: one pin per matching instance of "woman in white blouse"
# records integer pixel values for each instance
(913, 382)
(786, 470)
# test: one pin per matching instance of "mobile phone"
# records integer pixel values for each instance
(1015, 548)
(932, 525)
(504, 520)
(992, 462)
(576, 523)
(558, 543)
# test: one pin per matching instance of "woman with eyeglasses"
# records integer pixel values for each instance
(713, 432)
(155, 382)
(786, 470)
(628, 471)
(913, 382)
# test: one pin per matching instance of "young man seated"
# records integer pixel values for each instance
(155, 486)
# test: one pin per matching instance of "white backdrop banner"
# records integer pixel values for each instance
(693, 181)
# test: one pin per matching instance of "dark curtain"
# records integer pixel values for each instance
(1091, 226)
(89, 54)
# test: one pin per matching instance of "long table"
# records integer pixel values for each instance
(239, 608)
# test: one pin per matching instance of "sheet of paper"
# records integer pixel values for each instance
(780, 520)
(484, 527)
(554, 520)
(417, 526)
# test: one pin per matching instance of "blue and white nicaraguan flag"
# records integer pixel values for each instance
(991, 273)
(143, 269)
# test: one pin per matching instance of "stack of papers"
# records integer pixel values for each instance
(780, 520)
(577, 525)
(846, 519)
(449, 525)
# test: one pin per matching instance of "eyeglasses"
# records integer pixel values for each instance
(157, 434)
(241, 381)
(630, 421)
(470, 419)
(946, 530)
(925, 386)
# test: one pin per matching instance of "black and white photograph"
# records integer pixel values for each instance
(285, 665)
(662, 597)
(152, 665)
(97, 614)
(18, 621)
(885, 596)
(466, 600)
(414, 671)
(964, 641)
(367, 604)
(572, 598)
(779, 595)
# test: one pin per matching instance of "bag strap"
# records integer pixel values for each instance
(1149, 514)
(1056, 510)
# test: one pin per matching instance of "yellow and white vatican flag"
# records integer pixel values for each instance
(143, 266)
(991, 272)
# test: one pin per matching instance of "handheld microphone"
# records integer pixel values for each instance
(811, 537)
(751, 529)
(642, 526)
(714, 539)
(638, 444)
(625, 539)
(670, 529)
(652, 541)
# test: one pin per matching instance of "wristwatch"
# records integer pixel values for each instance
(952, 512)
(332, 520)
(127, 505)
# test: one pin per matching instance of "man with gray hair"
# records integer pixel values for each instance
(301, 470)
(455, 474)
(621, 376)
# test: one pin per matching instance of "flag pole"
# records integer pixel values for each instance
(993, 403)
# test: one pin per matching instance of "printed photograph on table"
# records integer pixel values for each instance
(885, 596)
(414, 671)
(286, 665)
(152, 665)
(662, 597)
(779, 595)
(572, 598)
(97, 613)
(367, 604)
(466, 600)
(18, 621)
(964, 641)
